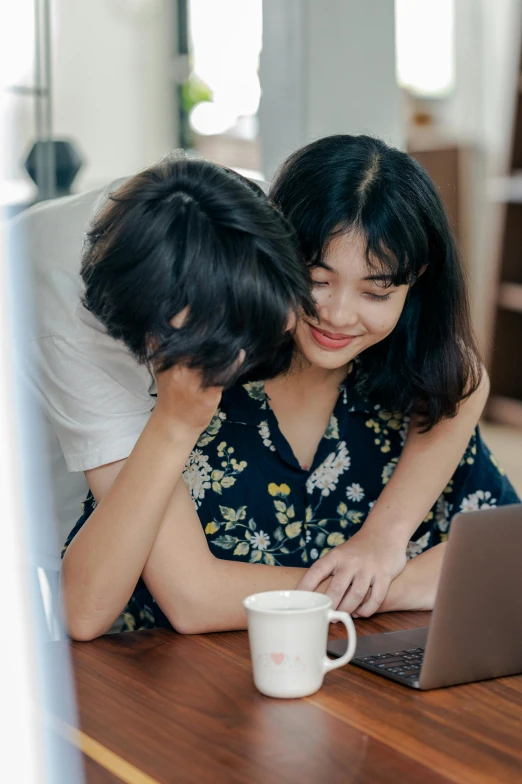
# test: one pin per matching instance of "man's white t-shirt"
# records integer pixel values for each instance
(95, 397)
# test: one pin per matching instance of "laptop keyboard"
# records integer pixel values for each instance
(404, 664)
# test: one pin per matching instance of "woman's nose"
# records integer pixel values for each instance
(338, 310)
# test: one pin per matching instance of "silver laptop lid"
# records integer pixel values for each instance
(476, 627)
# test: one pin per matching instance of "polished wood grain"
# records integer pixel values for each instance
(96, 774)
(184, 709)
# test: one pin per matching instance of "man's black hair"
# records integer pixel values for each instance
(187, 233)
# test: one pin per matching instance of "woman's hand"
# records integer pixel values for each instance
(107, 556)
(183, 401)
(361, 569)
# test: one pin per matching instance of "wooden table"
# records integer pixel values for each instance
(161, 707)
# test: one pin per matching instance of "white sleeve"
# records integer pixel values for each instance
(95, 395)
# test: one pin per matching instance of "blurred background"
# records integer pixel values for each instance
(94, 90)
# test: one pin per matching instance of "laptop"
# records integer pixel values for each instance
(476, 625)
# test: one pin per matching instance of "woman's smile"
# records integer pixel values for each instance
(355, 309)
(329, 340)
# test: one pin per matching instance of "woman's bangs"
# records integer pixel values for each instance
(394, 251)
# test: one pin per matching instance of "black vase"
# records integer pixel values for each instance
(67, 163)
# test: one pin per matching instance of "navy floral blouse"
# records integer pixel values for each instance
(256, 504)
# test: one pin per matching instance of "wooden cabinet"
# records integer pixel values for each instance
(505, 363)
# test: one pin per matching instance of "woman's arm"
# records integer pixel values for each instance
(197, 591)
(200, 593)
(374, 556)
(141, 524)
(143, 507)
(106, 558)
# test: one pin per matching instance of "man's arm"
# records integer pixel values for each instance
(376, 554)
(416, 587)
(427, 463)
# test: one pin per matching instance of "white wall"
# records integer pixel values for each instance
(327, 66)
(479, 112)
(112, 87)
(111, 61)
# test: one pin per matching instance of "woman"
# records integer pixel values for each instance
(350, 462)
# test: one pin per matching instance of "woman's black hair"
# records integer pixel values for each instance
(187, 233)
(338, 184)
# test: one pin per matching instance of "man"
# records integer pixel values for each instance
(194, 241)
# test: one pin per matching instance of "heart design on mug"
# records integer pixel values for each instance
(277, 658)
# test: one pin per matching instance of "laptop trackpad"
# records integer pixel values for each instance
(388, 642)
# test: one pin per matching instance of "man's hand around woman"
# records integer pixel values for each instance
(362, 570)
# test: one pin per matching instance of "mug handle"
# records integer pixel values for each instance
(332, 664)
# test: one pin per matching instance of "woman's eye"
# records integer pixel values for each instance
(319, 283)
(377, 297)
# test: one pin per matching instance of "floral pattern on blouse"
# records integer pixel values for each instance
(256, 503)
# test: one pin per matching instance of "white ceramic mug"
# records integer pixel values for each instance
(288, 632)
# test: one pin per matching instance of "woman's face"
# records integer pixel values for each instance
(356, 306)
